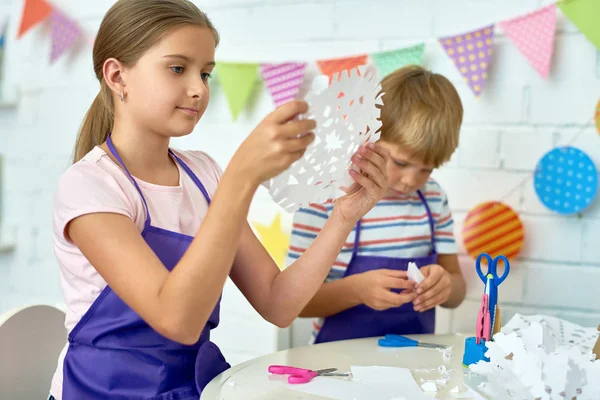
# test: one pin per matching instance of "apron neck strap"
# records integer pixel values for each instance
(114, 152)
(356, 238)
(430, 218)
(192, 176)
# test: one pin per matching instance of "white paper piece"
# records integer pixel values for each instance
(338, 389)
(535, 357)
(343, 124)
(467, 394)
(429, 386)
(414, 274)
(398, 380)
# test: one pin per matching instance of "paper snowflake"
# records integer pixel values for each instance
(530, 359)
(347, 116)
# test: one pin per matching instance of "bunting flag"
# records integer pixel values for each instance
(337, 65)
(584, 14)
(389, 61)
(274, 240)
(3, 27)
(471, 53)
(283, 80)
(35, 11)
(597, 117)
(237, 81)
(64, 32)
(533, 34)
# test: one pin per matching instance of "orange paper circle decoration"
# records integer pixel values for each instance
(493, 228)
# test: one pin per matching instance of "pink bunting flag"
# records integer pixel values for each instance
(283, 80)
(64, 32)
(533, 34)
(471, 53)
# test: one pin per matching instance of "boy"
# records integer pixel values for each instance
(367, 292)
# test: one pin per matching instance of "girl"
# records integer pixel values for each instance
(143, 258)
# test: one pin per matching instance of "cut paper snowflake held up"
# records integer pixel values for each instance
(347, 116)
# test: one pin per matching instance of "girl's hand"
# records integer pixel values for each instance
(274, 144)
(369, 185)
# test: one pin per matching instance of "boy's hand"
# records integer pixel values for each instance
(434, 290)
(373, 288)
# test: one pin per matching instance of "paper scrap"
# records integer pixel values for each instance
(337, 389)
(535, 357)
(414, 274)
(347, 116)
(429, 386)
(398, 380)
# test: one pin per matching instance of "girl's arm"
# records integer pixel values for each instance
(179, 303)
(280, 296)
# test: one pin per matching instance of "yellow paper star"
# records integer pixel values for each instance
(275, 241)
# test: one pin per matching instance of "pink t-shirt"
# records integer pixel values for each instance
(97, 184)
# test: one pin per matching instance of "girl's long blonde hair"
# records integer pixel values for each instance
(128, 30)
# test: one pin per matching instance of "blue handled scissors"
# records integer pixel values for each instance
(391, 340)
(492, 280)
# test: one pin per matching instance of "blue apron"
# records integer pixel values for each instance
(362, 321)
(114, 354)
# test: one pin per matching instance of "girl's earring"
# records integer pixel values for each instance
(122, 96)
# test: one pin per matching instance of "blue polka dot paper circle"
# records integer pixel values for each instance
(566, 180)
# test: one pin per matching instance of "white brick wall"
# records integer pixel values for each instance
(519, 117)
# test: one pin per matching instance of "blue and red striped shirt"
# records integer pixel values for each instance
(396, 227)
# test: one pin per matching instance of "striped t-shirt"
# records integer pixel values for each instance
(396, 227)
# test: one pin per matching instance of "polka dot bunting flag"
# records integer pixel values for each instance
(64, 32)
(533, 34)
(493, 228)
(566, 180)
(471, 53)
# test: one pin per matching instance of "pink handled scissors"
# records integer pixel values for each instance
(301, 375)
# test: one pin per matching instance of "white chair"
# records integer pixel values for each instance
(31, 339)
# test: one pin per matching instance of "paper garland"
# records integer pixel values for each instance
(389, 61)
(493, 228)
(64, 33)
(336, 65)
(283, 80)
(584, 14)
(275, 241)
(63, 30)
(566, 180)
(34, 12)
(597, 117)
(471, 53)
(533, 35)
(237, 81)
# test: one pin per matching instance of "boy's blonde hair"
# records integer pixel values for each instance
(422, 113)
(128, 30)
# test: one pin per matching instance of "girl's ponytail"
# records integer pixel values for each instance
(97, 123)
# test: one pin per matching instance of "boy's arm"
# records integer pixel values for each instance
(370, 288)
(332, 298)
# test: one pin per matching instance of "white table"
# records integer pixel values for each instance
(250, 380)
